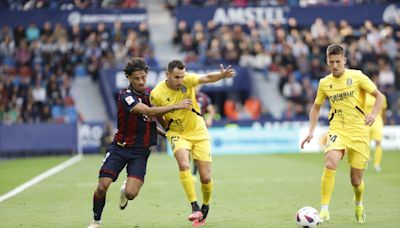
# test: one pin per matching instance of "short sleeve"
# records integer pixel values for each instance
(366, 84)
(129, 101)
(320, 98)
(191, 80)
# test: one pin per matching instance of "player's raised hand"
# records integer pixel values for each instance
(185, 104)
(228, 72)
(369, 119)
(307, 139)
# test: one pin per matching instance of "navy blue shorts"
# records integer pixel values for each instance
(117, 157)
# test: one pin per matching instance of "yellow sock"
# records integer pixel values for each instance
(188, 185)
(327, 185)
(207, 189)
(378, 156)
(358, 193)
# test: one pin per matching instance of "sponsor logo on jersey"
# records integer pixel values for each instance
(129, 100)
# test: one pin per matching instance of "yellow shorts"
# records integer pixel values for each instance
(201, 150)
(375, 131)
(357, 148)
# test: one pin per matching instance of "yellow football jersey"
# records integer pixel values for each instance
(347, 98)
(184, 123)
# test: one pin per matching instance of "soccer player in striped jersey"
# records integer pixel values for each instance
(137, 132)
(346, 91)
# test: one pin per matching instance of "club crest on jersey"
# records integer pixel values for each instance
(349, 82)
(183, 88)
(129, 100)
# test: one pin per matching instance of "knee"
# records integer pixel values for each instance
(355, 181)
(205, 180)
(329, 164)
(101, 189)
(131, 194)
(183, 166)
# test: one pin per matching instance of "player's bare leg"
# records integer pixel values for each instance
(129, 191)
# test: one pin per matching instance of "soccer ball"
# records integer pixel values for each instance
(307, 217)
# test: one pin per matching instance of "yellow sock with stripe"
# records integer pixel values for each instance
(327, 185)
(188, 184)
(378, 156)
(358, 194)
(207, 190)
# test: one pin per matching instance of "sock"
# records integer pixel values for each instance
(378, 156)
(188, 185)
(327, 185)
(207, 189)
(324, 207)
(195, 206)
(98, 205)
(358, 194)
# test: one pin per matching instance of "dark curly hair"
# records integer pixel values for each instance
(175, 63)
(135, 64)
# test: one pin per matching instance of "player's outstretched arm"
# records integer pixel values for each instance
(154, 111)
(227, 72)
(314, 114)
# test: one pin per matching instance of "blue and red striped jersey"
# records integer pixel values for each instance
(203, 100)
(134, 130)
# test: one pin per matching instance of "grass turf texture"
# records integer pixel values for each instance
(249, 191)
(15, 172)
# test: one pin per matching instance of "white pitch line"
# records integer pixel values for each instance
(41, 177)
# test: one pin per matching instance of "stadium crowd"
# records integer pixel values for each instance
(297, 54)
(68, 4)
(172, 4)
(37, 65)
(38, 62)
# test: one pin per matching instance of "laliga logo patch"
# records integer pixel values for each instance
(129, 100)
(349, 82)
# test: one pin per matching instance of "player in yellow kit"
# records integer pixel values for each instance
(346, 91)
(186, 131)
(375, 131)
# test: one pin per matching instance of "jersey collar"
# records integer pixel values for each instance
(135, 92)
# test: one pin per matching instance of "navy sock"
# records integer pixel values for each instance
(98, 205)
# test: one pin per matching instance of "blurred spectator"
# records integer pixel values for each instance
(37, 63)
(253, 107)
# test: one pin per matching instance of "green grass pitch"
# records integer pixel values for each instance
(249, 191)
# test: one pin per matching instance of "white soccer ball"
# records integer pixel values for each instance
(307, 217)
